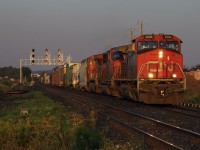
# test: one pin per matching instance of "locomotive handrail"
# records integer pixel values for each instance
(138, 77)
(184, 77)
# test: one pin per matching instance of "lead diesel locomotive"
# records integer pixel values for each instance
(149, 70)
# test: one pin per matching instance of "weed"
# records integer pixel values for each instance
(191, 97)
(7, 83)
(37, 122)
(85, 138)
(38, 129)
(92, 120)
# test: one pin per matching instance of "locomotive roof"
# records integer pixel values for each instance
(122, 48)
(157, 36)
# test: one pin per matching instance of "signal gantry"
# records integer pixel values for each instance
(46, 60)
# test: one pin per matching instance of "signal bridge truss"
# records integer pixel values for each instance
(42, 61)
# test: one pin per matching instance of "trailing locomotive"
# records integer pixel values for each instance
(149, 70)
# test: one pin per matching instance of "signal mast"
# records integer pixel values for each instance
(43, 60)
(32, 56)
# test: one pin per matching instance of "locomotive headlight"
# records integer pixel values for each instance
(160, 54)
(150, 75)
(174, 75)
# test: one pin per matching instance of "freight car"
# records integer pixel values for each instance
(150, 70)
(71, 78)
(57, 76)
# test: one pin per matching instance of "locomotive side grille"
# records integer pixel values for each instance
(124, 72)
(92, 75)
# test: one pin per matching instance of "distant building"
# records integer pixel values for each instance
(12, 79)
(195, 74)
(5, 77)
(35, 75)
(45, 79)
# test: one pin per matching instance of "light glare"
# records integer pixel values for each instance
(160, 54)
(150, 75)
(174, 75)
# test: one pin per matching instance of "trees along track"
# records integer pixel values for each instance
(168, 135)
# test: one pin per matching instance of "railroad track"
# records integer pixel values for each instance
(14, 92)
(186, 111)
(143, 119)
(183, 120)
(169, 135)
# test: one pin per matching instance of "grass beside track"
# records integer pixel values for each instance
(34, 121)
(191, 97)
(4, 86)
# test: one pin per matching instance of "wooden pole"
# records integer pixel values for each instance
(141, 28)
(20, 73)
(131, 36)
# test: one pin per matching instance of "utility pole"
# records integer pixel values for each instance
(141, 28)
(131, 34)
(20, 74)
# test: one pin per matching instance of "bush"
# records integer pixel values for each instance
(4, 86)
(191, 97)
(85, 138)
(7, 83)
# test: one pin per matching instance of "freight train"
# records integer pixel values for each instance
(149, 70)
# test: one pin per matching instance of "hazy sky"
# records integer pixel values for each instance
(85, 27)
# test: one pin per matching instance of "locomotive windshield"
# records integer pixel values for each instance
(147, 45)
(169, 45)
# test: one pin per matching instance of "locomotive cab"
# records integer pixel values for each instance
(160, 77)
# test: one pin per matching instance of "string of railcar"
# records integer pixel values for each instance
(149, 70)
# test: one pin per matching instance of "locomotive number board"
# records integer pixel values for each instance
(148, 36)
(167, 36)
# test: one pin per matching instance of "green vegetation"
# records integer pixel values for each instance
(36, 122)
(85, 138)
(192, 93)
(191, 97)
(4, 86)
(192, 68)
(12, 72)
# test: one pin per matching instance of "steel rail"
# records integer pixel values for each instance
(165, 143)
(127, 124)
(185, 113)
(189, 109)
(160, 122)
